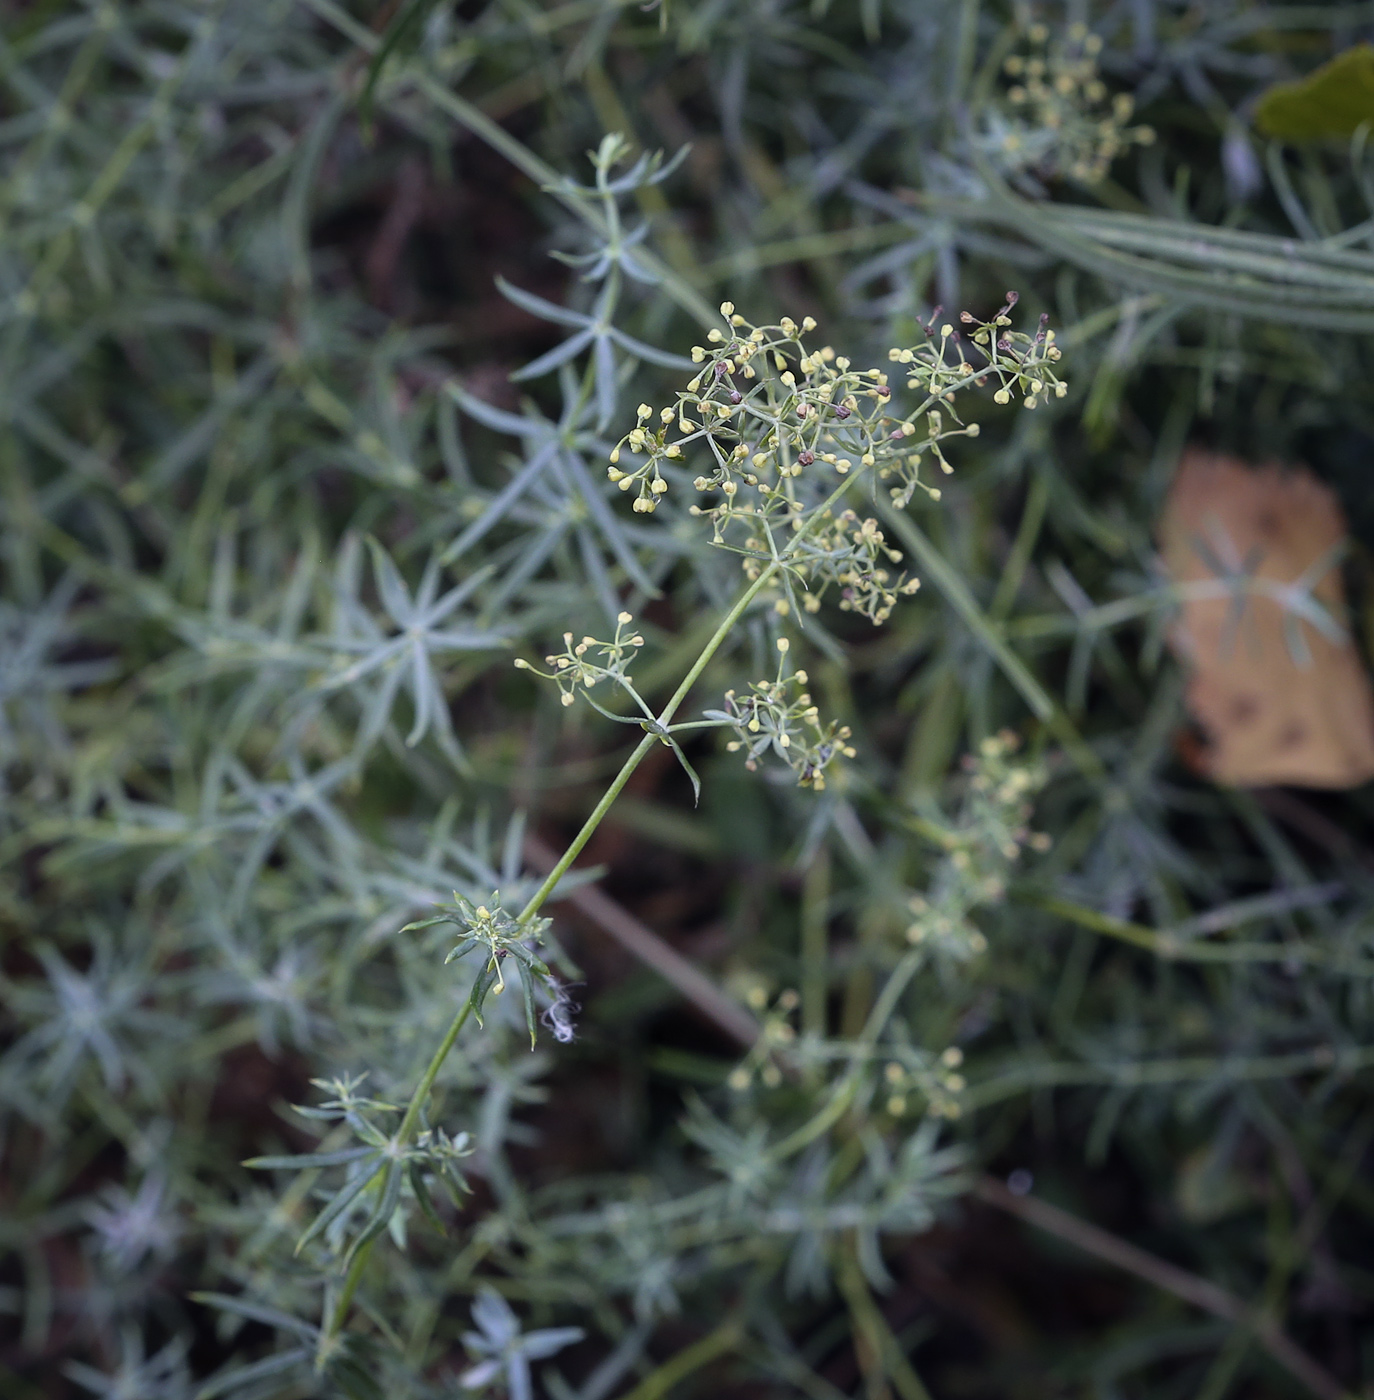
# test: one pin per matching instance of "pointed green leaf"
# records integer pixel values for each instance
(527, 988)
(308, 1159)
(387, 1200)
(423, 1198)
(340, 1203)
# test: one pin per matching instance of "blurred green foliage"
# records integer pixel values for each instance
(304, 438)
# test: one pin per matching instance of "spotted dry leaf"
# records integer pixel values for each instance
(1277, 685)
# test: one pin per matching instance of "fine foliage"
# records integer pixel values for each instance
(414, 576)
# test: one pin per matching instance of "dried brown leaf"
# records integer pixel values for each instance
(1279, 699)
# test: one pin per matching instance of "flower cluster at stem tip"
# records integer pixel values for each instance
(576, 664)
(778, 418)
(1070, 128)
(504, 939)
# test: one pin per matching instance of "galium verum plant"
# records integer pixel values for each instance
(785, 437)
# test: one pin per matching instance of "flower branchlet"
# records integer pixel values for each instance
(981, 849)
(854, 556)
(503, 938)
(920, 1078)
(589, 662)
(779, 716)
(1065, 124)
(652, 444)
(771, 1051)
(911, 1081)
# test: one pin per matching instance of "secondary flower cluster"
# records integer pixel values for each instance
(1069, 127)
(912, 1081)
(991, 833)
(778, 715)
(852, 554)
(925, 1079)
(576, 665)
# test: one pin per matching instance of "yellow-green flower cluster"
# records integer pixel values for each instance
(912, 1081)
(766, 408)
(779, 716)
(651, 443)
(1065, 124)
(576, 665)
(936, 1085)
(777, 1038)
(784, 426)
(1017, 361)
(980, 851)
(853, 555)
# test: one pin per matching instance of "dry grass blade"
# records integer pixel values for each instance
(1189, 1287)
(617, 921)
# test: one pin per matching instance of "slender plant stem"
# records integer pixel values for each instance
(727, 625)
(350, 1287)
(417, 1099)
(588, 828)
(723, 630)
(404, 1132)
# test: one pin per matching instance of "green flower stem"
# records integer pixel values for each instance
(723, 630)
(350, 1287)
(417, 1099)
(588, 827)
(403, 1135)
